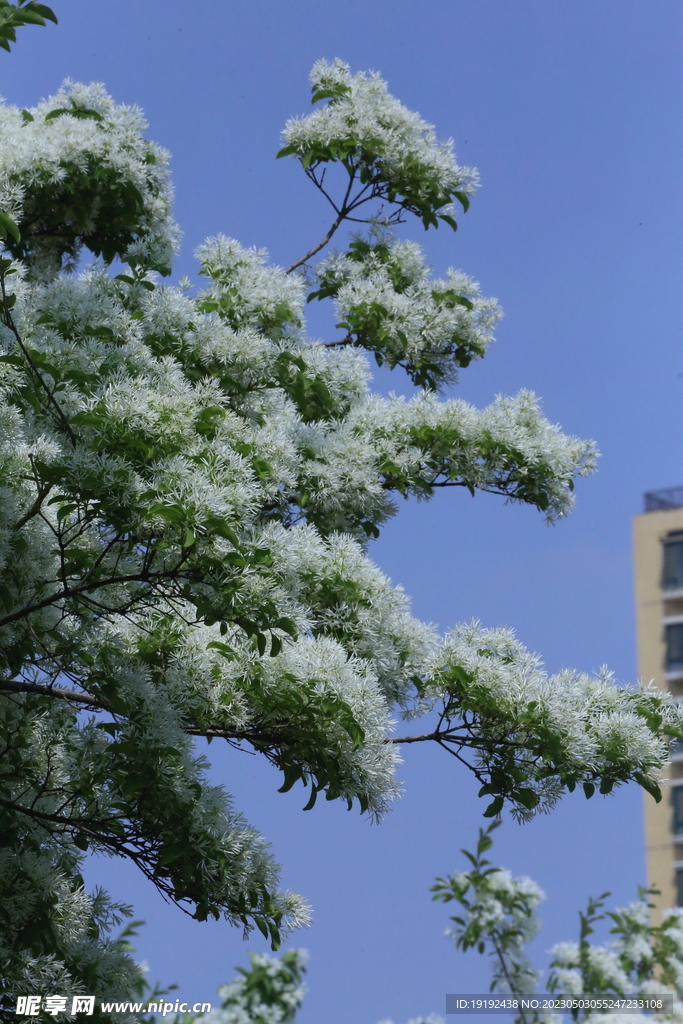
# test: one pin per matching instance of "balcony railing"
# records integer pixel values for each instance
(668, 497)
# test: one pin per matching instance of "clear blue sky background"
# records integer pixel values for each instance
(571, 111)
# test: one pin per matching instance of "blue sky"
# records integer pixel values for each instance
(570, 109)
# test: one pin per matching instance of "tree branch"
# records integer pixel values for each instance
(34, 508)
(252, 736)
(15, 686)
(83, 589)
(319, 246)
(348, 340)
(436, 735)
(341, 215)
(50, 397)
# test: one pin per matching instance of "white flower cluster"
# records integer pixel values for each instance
(122, 200)
(269, 992)
(363, 119)
(498, 914)
(40, 882)
(596, 724)
(246, 292)
(643, 961)
(500, 895)
(387, 302)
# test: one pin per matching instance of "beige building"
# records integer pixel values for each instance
(658, 557)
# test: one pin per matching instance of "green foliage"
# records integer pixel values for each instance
(25, 12)
(270, 991)
(499, 916)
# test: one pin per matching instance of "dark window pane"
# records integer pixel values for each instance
(673, 565)
(677, 801)
(674, 647)
(679, 887)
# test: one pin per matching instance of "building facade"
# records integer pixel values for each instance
(658, 565)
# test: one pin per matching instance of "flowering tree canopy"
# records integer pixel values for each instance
(188, 487)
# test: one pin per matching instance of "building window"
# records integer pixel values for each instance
(673, 564)
(674, 647)
(679, 887)
(677, 801)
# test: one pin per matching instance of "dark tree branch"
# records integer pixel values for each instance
(436, 735)
(79, 591)
(342, 343)
(15, 686)
(27, 356)
(34, 509)
(253, 736)
(341, 215)
(318, 247)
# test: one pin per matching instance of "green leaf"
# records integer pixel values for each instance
(292, 775)
(79, 112)
(65, 511)
(311, 801)
(286, 151)
(223, 529)
(224, 649)
(29, 16)
(649, 785)
(110, 727)
(276, 941)
(332, 93)
(45, 12)
(527, 798)
(57, 112)
(172, 513)
(288, 626)
(463, 199)
(8, 227)
(494, 808)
